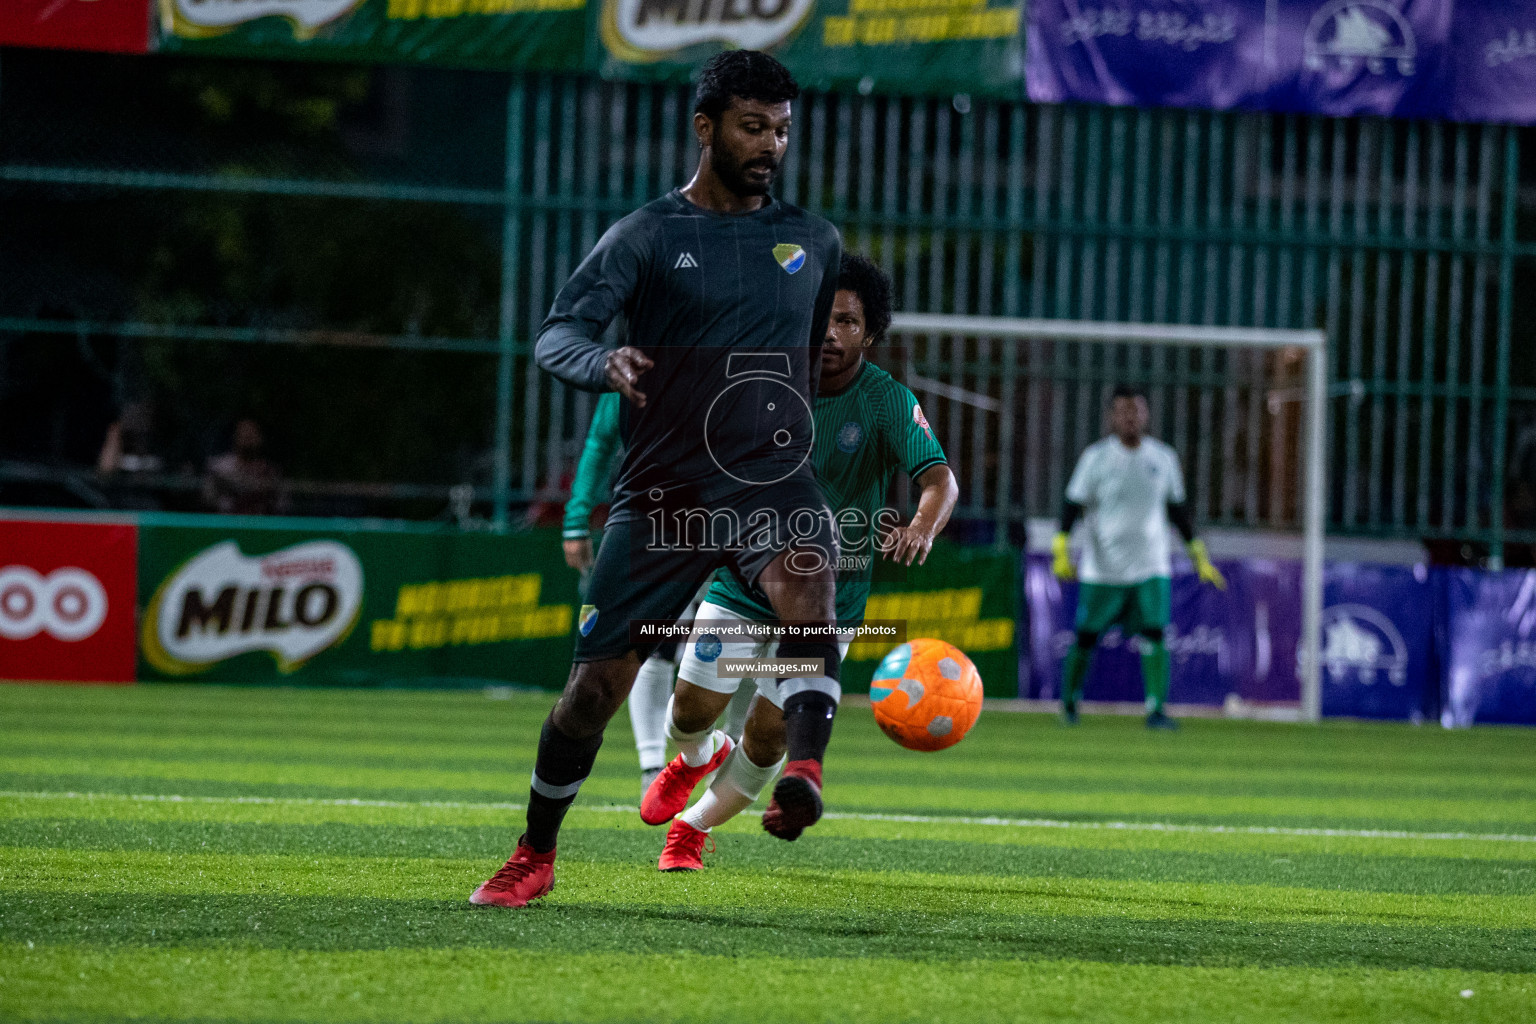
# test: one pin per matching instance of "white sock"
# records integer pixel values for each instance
(648, 706)
(738, 784)
(734, 721)
(696, 747)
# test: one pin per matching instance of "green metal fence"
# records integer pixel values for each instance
(1409, 243)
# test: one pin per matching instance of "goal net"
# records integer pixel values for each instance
(1016, 400)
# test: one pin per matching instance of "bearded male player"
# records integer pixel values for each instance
(726, 292)
(868, 426)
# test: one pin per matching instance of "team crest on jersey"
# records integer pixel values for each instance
(921, 420)
(791, 257)
(707, 648)
(848, 437)
(587, 619)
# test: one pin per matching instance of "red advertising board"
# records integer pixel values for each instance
(67, 597)
(117, 26)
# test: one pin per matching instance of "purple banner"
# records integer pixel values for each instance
(1220, 642)
(1496, 72)
(1488, 635)
(1378, 637)
(1448, 59)
(1378, 627)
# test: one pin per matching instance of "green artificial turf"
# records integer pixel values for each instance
(181, 852)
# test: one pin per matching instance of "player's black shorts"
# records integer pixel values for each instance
(650, 567)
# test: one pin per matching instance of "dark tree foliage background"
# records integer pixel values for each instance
(214, 258)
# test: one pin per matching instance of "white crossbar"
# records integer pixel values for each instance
(1105, 331)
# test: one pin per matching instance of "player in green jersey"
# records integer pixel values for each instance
(591, 486)
(867, 426)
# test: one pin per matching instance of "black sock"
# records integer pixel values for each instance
(808, 724)
(827, 650)
(562, 765)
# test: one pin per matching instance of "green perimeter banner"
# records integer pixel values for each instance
(891, 46)
(536, 35)
(965, 596)
(247, 603)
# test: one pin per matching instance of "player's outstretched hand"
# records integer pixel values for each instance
(578, 553)
(624, 366)
(904, 543)
(1203, 566)
(1061, 558)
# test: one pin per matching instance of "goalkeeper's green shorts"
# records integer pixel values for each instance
(1135, 607)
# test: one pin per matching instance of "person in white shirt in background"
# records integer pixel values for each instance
(1127, 489)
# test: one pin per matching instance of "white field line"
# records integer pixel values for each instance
(904, 819)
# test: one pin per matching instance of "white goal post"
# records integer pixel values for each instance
(1314, 499)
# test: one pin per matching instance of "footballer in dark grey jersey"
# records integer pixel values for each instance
(725, 293)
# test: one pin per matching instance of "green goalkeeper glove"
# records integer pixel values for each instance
(1061, 562)
(1208, 573)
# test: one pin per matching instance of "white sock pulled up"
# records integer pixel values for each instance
(649, 704)
(737, 785)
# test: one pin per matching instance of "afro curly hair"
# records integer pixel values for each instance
(862, 276)
(744, 74)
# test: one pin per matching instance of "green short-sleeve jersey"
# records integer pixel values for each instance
(594, 469)
(864, 434)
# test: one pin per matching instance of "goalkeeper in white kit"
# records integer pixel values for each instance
(1127, 488)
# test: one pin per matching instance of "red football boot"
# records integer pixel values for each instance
(796, 803)
(669, 794)
(685, 848)
(522, 879)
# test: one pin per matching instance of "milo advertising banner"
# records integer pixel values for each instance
(252, 604)
(544, 35)
(900, 46)
(965, 596)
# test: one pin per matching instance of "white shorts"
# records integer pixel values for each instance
(704, 649)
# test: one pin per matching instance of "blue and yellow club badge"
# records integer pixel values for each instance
(587, 619)
(791, 257)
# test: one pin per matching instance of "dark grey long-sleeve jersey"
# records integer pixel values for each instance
(732, 309)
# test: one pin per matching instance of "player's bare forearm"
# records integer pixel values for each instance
(935, 503)
(578, 552)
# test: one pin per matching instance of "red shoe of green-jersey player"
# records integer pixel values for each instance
(685, 848)
(668, 795)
